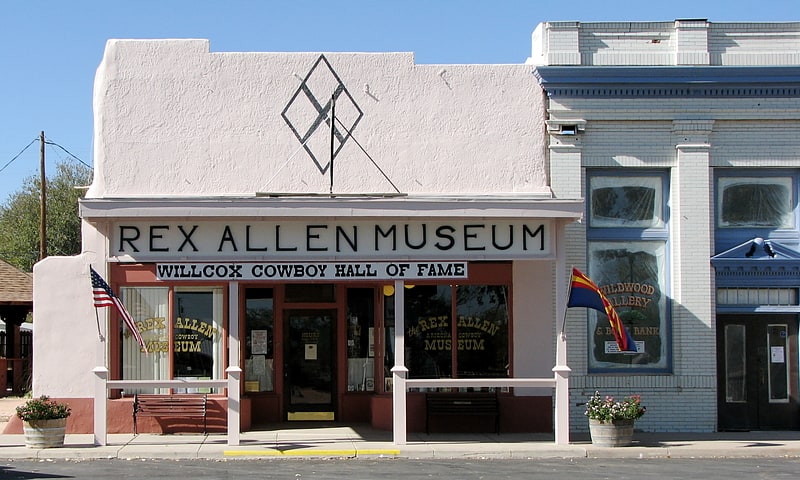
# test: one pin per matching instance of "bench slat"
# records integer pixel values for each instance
(462, 403)
(177, 405)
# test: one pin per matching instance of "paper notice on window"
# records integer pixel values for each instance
(311, 351)
(259, 365)
(259, 340)
(777, 355)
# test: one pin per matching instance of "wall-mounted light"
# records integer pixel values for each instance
(565, 127)
(759, 242)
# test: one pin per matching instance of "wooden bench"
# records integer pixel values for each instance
(462, 403)
(177, 405)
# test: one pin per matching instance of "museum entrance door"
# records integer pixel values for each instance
(757, 372)
(309, 364)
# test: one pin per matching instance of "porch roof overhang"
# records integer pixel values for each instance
(325, 206)
(669, 81)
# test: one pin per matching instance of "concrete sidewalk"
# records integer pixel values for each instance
(354, 442)
(336, 441)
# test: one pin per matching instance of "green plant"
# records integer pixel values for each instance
(42, 408)
(606, 409)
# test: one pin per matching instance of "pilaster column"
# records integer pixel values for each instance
(562, 44)
(691, 224)
(691, 46)
(565, 168)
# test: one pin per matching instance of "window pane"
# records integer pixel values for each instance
(310, 292)
(778, 371)
(735, 364)
(259, 340)
(755, 202)
(388, 336)
(482, 328)
(632, 276)
(428, 331)
(197, 334)
(633, 202)
(360, 339)
(149, 308)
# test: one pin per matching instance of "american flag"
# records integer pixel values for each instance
(105, 297)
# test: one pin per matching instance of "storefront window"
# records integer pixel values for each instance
(457, 331)
(193, 338)
(360, 339)
(627, 249)
(482, 330)
(197, 333)
(259, 336)
(149, 307)
(631, 275)
(428, 340)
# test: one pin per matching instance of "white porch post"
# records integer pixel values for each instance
(561, 370)
(100, 405)
(399, 371)
(234, 371)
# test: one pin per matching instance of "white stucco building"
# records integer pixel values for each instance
(218, 216)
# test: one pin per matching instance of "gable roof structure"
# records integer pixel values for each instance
(757, 263)
(16, 286)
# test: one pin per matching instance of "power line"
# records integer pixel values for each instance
(50, 142)
(47, 142)
(20, 153)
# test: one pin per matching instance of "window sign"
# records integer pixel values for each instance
(465, 339)
(187, 346)
(631, 275)
(260, 340)
(196, 333)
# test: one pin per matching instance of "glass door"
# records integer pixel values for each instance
(309, 366)
(758, 372)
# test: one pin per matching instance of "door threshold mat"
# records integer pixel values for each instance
(310, 416)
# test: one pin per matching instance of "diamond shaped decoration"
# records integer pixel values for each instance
(308, 114)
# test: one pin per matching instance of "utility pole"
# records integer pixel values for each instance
(42, 202)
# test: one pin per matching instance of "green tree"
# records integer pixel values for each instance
(19, 216)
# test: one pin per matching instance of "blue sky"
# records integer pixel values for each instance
(49, 50)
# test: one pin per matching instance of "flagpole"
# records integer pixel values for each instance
(566, 302)
(97, 320)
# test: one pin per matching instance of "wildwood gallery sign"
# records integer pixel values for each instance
(355, 240)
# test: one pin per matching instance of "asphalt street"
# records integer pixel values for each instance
(408, 469)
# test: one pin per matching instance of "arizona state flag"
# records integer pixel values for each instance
(584, 293)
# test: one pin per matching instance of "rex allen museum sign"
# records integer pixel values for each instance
(307, 239)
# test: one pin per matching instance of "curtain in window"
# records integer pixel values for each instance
(633, 202)
(755, 202)
(149, 308)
